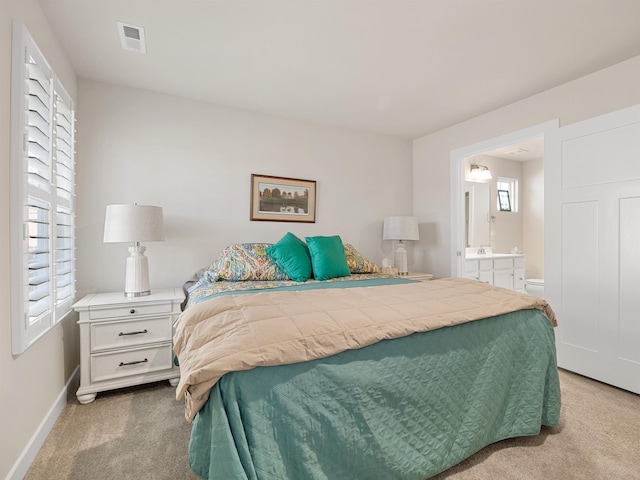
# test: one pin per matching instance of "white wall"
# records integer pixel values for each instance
(30, 383)
(195, 160)
(605, 91)
(533, 217)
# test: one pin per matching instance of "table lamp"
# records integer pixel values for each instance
(400, 228)
(134, 223)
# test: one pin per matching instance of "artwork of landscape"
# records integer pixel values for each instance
(282, 199)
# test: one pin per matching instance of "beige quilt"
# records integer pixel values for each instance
(243, 331)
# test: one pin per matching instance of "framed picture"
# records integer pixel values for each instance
(281, 199)
(504, 201)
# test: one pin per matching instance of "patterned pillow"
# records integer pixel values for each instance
(244, 261)
(357, 263)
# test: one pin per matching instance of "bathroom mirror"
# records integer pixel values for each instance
(476, 212)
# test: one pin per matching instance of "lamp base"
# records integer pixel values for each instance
(137, 294)
(137, 274)
(400, 259)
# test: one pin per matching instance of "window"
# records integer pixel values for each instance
(42, 197)
(507, 200)
(504, 201)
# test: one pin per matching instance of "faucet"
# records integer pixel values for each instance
(481, 251)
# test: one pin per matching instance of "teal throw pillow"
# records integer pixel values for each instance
(292, 256)
(327, 257)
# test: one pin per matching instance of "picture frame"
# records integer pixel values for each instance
(504, 201)
(282, 199)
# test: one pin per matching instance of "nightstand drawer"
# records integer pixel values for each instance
(127, 333)
(137, 310)
(105, 366)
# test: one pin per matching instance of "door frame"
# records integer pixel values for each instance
(457, 158)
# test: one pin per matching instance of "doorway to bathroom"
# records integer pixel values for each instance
(504, 213)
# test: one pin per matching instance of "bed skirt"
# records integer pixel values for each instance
(406, 408)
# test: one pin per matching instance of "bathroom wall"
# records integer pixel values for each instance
(506, 227)
(523, 229)
(533, 217)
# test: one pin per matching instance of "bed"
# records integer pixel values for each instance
(357, 376)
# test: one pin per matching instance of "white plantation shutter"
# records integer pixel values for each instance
(39, 173)
(38, 263)
(64, 258)
(64, 214)
(42, 198)
(64, 148)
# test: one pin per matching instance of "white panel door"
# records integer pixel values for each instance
(592, 246)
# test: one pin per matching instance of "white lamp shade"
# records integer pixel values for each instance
(400, 228)
(133, 223)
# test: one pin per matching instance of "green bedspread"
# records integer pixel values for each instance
(406, 408)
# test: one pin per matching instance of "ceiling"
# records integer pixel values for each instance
(520, 152)
(397, 67)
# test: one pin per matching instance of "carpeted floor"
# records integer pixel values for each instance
(133, 433)
(140, 433)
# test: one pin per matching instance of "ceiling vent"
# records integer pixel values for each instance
(132, 37)
(517, 151)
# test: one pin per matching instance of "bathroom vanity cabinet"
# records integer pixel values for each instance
(504, 270)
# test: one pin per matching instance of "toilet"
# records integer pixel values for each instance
(534, 287)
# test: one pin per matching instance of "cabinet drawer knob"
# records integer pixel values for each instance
(123, 364)
(122, 334)
(132, 311)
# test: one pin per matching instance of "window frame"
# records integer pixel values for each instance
(33, 225)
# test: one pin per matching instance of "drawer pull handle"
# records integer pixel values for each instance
(132, 311)
(123, 364)
(122, 334)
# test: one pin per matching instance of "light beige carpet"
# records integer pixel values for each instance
(133, 433)
(140, 433)
(598, 438)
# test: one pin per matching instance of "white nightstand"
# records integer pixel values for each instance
(423, 277)
(126, 341)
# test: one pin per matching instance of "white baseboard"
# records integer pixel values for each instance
(28, 455)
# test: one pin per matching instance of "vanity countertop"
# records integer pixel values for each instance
(476, 256)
